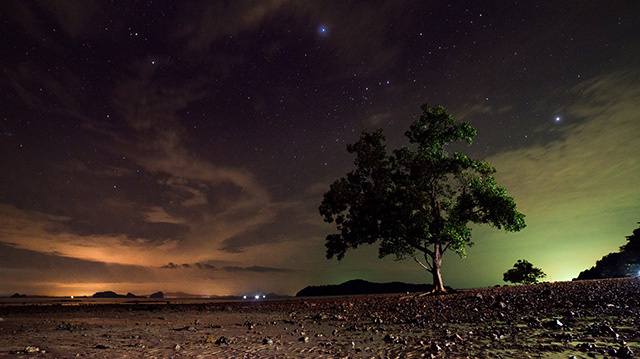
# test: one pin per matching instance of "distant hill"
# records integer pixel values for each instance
(110, 294)
(624, 263)
(360, 286)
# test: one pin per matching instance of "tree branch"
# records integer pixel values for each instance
(417, 246)
(429, 268)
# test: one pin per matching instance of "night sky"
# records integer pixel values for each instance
(186, 145)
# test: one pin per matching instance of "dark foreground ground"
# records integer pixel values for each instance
(586, 319)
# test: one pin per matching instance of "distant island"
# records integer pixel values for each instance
(360, 286)
(110, 294)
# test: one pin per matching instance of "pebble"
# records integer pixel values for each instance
(553, 324)
(223, 340)
(31, 349)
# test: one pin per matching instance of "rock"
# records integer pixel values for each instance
(177, 347)
(303, 339)
(157, 295)
(188, 328)
(553, 324)
(625, 352)
(389, 338)
(320, 316)
(31, 349)
(267, 341)
(500, 305)
(223, 340)
(101, 346)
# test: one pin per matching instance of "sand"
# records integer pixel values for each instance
(582, 319)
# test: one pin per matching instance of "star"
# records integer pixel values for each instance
(558, 118)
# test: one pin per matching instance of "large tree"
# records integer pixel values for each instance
(419, 199)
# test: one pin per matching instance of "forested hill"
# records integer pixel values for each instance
(359, 286)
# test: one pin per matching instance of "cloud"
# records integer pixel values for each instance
(595, 164)
(210, 22)
(579, 192)
(161, 203)
(257, 269)
(158, 215)
(227, 268)
(74, 19)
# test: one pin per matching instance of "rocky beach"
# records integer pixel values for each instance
(580, 319)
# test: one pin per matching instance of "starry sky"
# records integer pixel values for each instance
(186, 145)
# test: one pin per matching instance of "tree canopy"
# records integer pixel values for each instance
(523, 272)
(418, 199)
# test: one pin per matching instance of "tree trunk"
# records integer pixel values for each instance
(438, 287)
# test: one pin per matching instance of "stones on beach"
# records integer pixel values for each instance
(602, 330)
(27, 350)
(625, 352)
(394, 339)
(303, 339)
(223, 340)
(70, 326)
(187, 328)
(553, 324)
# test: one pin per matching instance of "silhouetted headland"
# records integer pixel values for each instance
(360, 286)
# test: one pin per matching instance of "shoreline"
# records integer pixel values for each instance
(550, 320)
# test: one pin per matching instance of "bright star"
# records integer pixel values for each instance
(322, 30)
(558, 119)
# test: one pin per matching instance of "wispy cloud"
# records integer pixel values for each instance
(579, 193)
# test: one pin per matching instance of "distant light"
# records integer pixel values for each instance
(264, 296)
(257, 296)
(558, 119)
(71, 297)
(244, 297)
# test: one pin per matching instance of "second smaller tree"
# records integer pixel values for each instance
(523, 272)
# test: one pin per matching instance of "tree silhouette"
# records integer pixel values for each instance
(523, 272)
(624, 263)
(419, 199)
